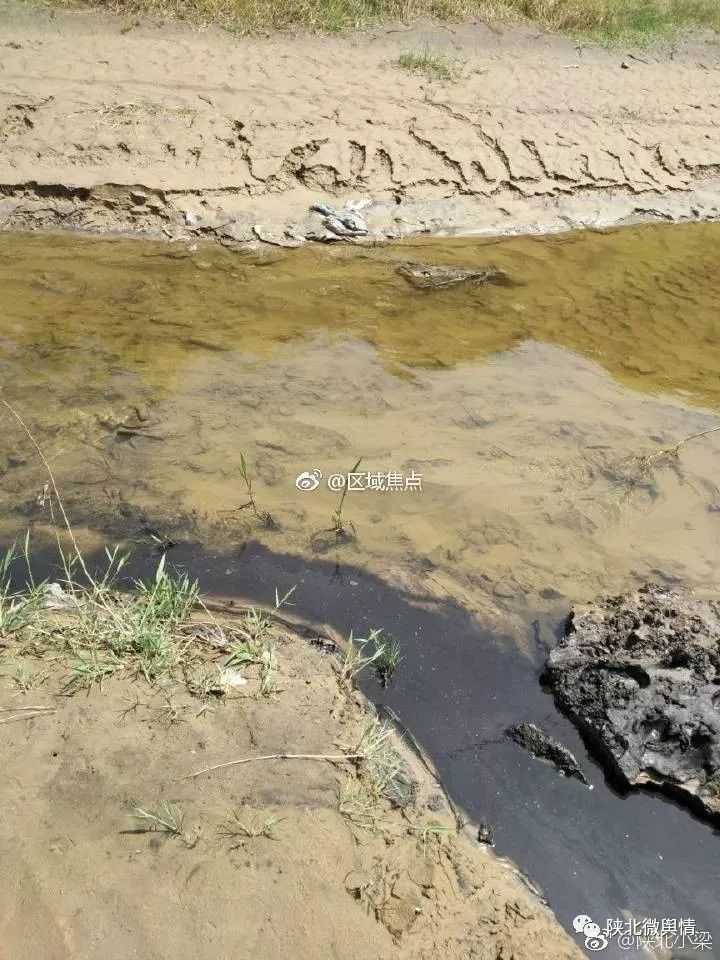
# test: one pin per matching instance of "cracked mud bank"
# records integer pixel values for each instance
(110, 126)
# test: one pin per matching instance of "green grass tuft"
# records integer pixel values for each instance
(16, 606)
(435, 66)
(378, 650)
(169, 819)
(239, 827)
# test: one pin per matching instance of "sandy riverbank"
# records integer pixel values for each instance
(162, 130)
(279, 857)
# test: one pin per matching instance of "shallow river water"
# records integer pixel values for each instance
(531, 415)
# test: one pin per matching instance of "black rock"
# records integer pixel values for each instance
(640, 677)
(485, 833)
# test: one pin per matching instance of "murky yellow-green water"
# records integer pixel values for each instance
(525, 409)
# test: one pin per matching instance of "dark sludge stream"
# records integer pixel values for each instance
(528, 410)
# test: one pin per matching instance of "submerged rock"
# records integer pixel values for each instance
(426, 275)
(640, 676)
(542, 745)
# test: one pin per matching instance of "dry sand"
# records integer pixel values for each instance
(106, 124)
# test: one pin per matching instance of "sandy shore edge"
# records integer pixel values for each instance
(111, 126)
(278, 856)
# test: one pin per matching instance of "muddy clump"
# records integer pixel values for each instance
(540, 744)
(640, 676)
